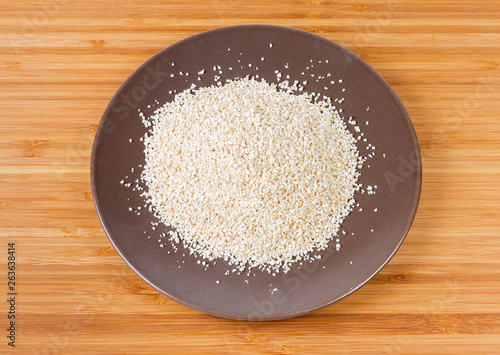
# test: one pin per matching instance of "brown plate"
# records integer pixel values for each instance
(260, 296)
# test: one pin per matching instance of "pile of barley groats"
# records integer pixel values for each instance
(254, 173)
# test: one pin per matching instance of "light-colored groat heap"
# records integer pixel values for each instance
(250, 172)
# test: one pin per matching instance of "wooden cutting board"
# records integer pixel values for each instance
(62, 61)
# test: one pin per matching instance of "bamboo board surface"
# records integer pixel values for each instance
(62, 61)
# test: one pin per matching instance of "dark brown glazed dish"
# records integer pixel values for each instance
(307, 287)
